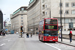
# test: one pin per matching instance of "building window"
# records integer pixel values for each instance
(43, 1)
(60, 4)
(73, 11)
(21, 20)
(67, 4)
(73, 20)
(25, 10)
(36, 28)
(21, 23)
(58, 20)
(66, 20)
(46, 6)
(60, 12)
(43, 13)
(22, 9)
(67, 12)
(46, 13)
(21, 14)
(43, 6)
(62, 20)
(21, 17)
(73, 4)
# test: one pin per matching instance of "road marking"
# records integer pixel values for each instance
(2, 44)
(52, 46)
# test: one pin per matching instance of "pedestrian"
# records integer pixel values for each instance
(60, 33)
(27, 35)
(31, 34)
(3, 33)
(70, 36)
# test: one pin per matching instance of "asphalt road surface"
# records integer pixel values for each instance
(14, 42)
(34, 44)
(7, 41)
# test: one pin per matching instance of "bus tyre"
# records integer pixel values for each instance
(54, 41)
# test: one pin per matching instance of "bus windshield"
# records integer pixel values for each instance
(50, 21)
(51, 33)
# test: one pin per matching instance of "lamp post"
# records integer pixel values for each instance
(61, 18)
(50, 8)
(64, 15)
(33, 26)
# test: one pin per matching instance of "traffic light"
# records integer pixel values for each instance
(21, 28)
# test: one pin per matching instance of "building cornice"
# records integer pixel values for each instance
(18, 10)
(18, 15)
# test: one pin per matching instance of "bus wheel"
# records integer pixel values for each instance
(54, 42)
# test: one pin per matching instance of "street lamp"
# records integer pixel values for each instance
(64, 16)
(33, 26)
(61, 18)
(50, 8)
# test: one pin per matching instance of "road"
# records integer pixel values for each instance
(7, 41)
(14, 42)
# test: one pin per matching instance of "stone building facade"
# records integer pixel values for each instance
(19, 18)
(33, 16)
(39, 9)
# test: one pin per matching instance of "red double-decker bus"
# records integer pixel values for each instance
(48, 29)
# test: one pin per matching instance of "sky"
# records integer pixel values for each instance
(9, 6)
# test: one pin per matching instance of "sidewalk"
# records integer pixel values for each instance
(1, 36)
(67, 42)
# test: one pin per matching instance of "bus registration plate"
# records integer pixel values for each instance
(50, 40)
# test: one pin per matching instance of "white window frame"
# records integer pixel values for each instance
(73, 12)
(73, 4)
(21, 20)
(66, 12)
